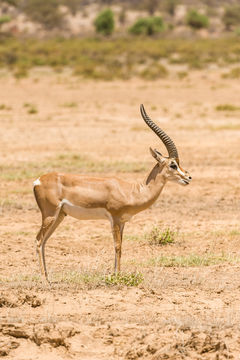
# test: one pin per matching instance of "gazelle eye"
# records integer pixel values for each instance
(173, 166)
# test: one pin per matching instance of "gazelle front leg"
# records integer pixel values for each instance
(117, 229)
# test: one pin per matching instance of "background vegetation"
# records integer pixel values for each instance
(117, 58)
(119, 44)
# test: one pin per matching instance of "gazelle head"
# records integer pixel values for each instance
(169, 165)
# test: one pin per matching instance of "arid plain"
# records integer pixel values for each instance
(175, 301)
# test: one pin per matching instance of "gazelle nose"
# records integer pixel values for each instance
(190, 178)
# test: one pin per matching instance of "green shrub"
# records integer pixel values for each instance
(104, 22)
(147, 26)
(129, 279)
(196, 20)
(231, 17)
(161, 237)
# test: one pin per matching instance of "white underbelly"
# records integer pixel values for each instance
(83, 213)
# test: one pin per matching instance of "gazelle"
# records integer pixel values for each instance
(90, 197)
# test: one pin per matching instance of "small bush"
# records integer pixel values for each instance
(147, 26)
(196, 20)
(161, 237)
(124, 279)
(231, 16)
(104, 22)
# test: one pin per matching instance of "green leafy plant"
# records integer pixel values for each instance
(161, 237)
(128, 279)
(196, 20)
(147, 26)
(104, 22)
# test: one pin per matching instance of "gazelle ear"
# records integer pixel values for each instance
(156, 154)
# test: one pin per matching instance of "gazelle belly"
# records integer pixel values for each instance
(83, 213)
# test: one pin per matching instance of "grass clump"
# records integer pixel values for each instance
(227, 107)
(128, 279)
(233, 74)
(161, 237)
(182, 74)
(31, 108)
(95, 279)
(154, 72)
(72, 104)
(193, 260)
(5, 107)
(79, 278)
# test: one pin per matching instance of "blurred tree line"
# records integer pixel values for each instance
(49, 14)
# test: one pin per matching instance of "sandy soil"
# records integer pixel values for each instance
(178, 312)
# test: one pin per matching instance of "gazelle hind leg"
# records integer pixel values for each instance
(49, 225)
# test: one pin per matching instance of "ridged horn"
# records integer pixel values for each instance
(170, 146)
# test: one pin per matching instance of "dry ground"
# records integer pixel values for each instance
(189, 311)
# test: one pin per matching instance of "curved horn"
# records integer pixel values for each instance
(170, 146)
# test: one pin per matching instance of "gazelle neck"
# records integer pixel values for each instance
(152, 186)
(155, 180)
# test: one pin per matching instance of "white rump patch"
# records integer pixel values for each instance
(36, 182)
